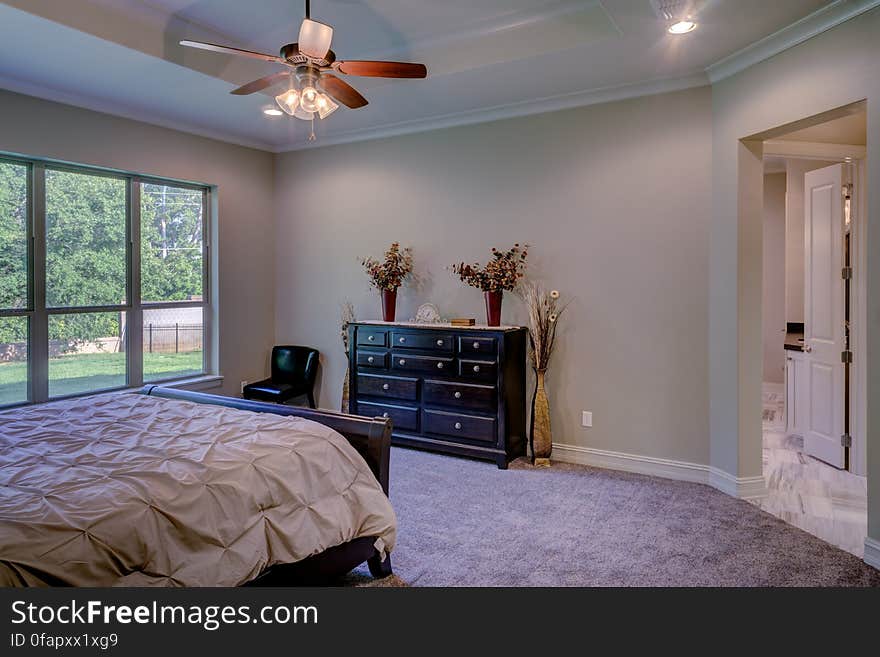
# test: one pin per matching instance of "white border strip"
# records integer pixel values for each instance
(872, 552)
(747, 488)
(809, 26)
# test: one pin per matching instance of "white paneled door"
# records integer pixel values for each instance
(824, 338)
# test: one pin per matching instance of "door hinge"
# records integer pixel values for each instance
(846, 273)
(846, 440)
(846, 356)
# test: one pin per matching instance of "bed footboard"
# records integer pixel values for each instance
(371, 437)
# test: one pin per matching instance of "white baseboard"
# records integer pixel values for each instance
(749, 488)
(872, 552)
(745, 488)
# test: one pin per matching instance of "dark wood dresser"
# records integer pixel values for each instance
(446, 389)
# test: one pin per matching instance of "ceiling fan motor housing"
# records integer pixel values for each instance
(292, 55)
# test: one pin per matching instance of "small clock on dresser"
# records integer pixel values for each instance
(446, 389)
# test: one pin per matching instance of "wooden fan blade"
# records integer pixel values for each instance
(382, 69)
(259, 85)
(213, 47)
(342, 91)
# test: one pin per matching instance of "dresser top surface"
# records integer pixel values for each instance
(440, 325)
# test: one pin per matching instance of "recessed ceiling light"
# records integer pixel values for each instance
(271, 111)
(682, 27)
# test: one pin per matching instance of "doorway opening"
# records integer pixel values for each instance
(813, 303)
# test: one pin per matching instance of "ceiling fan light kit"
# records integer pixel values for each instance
(312, 87)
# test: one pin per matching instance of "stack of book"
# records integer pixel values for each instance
(462, 321)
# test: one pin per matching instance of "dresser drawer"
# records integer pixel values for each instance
(368, 336)
(440, 342)
(477, 369)
(477, 347)
(395, 387)
(468, 427)
(406, 362)
(404, 418)
(376, 359)
(459, 395)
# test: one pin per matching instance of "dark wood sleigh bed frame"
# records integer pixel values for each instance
(371, 437)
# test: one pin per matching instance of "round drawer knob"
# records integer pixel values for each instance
(385, 386)
(371, 337)
(402, 340)
(439, 366)
(439, 343)
(476, 345)
(370, 359)
(402, 361)
(385, 414)
(476, 368)
(457, 394)
(458, 425)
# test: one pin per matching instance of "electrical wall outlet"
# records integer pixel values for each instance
(243, 384)
(587, 419)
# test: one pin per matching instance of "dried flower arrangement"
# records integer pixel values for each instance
(347, 316)
(391, 273)
(502, 272)
(544, 313)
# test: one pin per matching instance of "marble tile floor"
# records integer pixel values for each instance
(805, 492)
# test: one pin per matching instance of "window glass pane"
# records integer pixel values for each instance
(172, 343)
(85, 240)
(13, 360)
(86, 353)
(171, 243)
(13, 235)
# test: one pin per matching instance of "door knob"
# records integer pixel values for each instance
(439, 366)
(458, 425)
(402, 340)
(402, 361)
(476, 345)
(370, 359)
(385, 414)
(439, 343)
(385, 386)
(808, 348)
(476, 368)
(371, 337)
(457, 394)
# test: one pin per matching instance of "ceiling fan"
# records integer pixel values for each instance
(312, 88)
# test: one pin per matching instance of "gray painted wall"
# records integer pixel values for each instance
(615, 201)
(831, 70)
(243, 176)
(774, 277)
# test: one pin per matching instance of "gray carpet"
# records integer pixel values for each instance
(466, 523)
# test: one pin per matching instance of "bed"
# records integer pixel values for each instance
(173, 488)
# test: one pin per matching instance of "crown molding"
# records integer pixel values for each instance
(508, 111)
(113, 108)
(809, 26)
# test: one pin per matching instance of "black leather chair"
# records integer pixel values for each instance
(293, 374)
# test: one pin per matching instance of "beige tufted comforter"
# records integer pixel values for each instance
(131, 490)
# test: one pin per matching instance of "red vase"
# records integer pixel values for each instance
(493, 307)
(389, 305)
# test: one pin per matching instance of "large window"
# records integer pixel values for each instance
(103, 281)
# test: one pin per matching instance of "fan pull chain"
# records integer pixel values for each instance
(312, 135)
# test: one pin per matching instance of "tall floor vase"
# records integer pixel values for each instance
(345, 390)
(540, 438)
